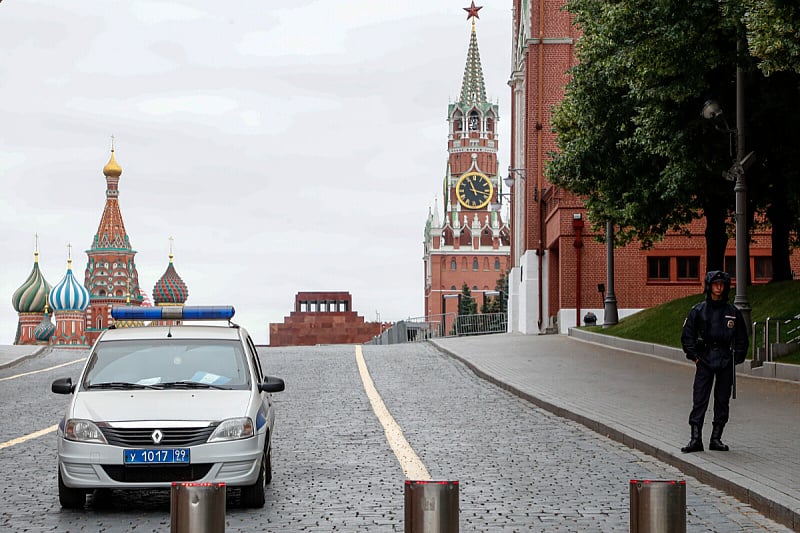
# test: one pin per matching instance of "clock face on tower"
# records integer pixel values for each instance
(474, 190)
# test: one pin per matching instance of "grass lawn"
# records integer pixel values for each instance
(662, 324)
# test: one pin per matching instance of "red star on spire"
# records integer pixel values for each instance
(472, 11)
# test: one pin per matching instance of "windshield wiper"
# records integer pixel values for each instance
(118, 385)
(186, 385)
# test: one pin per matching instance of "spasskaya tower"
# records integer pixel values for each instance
(468, 243)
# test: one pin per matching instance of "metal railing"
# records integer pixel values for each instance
(775, 337)
(444, 325)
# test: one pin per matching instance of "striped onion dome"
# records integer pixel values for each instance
(45, 329)
(68, 294)
(170, 289)
(31, 297)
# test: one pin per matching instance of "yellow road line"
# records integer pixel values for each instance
(409, 461)
(42, 370)
(28, 437)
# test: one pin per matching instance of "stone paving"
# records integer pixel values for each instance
(520, 468)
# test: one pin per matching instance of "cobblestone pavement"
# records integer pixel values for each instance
(519, 467)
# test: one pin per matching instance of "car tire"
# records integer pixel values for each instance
(254, 495)
(70, 498)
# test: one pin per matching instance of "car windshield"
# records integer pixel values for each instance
(167, 364)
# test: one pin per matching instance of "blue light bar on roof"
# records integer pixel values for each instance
(189, 312)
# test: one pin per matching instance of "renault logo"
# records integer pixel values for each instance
(157, 436)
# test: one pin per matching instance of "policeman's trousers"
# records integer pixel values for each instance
(722, 381)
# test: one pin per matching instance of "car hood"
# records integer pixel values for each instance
(149, 405)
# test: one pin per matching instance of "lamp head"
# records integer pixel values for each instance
(711, 110)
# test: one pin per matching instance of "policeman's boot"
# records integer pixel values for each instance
(715, 443)
(696, 441)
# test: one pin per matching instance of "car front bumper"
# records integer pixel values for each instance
(94, 466)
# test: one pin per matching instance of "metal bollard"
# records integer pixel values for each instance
(658, 506)
(431, 506)
(197, 508)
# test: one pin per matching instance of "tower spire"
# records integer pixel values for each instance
(473, 89)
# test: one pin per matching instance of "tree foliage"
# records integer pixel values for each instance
(631, 137)
(499, 303)
(773, 34)
(467, 304)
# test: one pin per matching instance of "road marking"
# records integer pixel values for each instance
(42, 370)
(28, 437)
(409, 461)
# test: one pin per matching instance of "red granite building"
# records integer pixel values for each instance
(322, 318)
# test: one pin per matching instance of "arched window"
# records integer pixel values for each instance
(475, 264)
(453, 265)
(99, 322)
(497, 264)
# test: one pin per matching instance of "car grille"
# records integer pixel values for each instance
(161, 474)
(172, 437)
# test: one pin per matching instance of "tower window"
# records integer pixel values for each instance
(475, 264)
(453, 264)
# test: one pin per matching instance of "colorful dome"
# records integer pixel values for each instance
(31, 297)
(170, 289)
(45, 329)
(68, 294)
(112, 168)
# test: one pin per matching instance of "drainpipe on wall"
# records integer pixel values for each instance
(577, 225)
(539, 85)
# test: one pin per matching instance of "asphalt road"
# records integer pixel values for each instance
(519, 468)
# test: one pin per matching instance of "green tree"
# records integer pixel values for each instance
(772, 34)
(631, 138)
(497, 304)
(467, 304)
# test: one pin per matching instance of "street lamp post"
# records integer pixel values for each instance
(737, 173)
(610, 313)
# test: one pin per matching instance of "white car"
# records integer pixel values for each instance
(161, 404)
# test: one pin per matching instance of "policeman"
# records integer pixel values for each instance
(714, 337)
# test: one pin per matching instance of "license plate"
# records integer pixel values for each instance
(156, 457)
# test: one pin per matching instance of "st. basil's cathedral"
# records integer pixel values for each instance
(83, 311)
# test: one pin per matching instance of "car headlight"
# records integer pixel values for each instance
(232, 429)
(83, 431)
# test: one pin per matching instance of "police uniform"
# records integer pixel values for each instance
(715, 337)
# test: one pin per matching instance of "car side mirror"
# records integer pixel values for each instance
(272, 384)
(63, 386)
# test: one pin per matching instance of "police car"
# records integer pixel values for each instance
(168, 403)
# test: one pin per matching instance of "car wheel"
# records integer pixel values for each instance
(70, 498)
(253, 495)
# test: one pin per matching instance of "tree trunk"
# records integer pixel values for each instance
(716, 235)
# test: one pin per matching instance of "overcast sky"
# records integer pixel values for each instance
(286, 146)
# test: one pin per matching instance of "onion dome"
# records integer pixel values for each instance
(68, 294)
(31, 297)
(45, 329)
(112, 168)
(170, 289)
